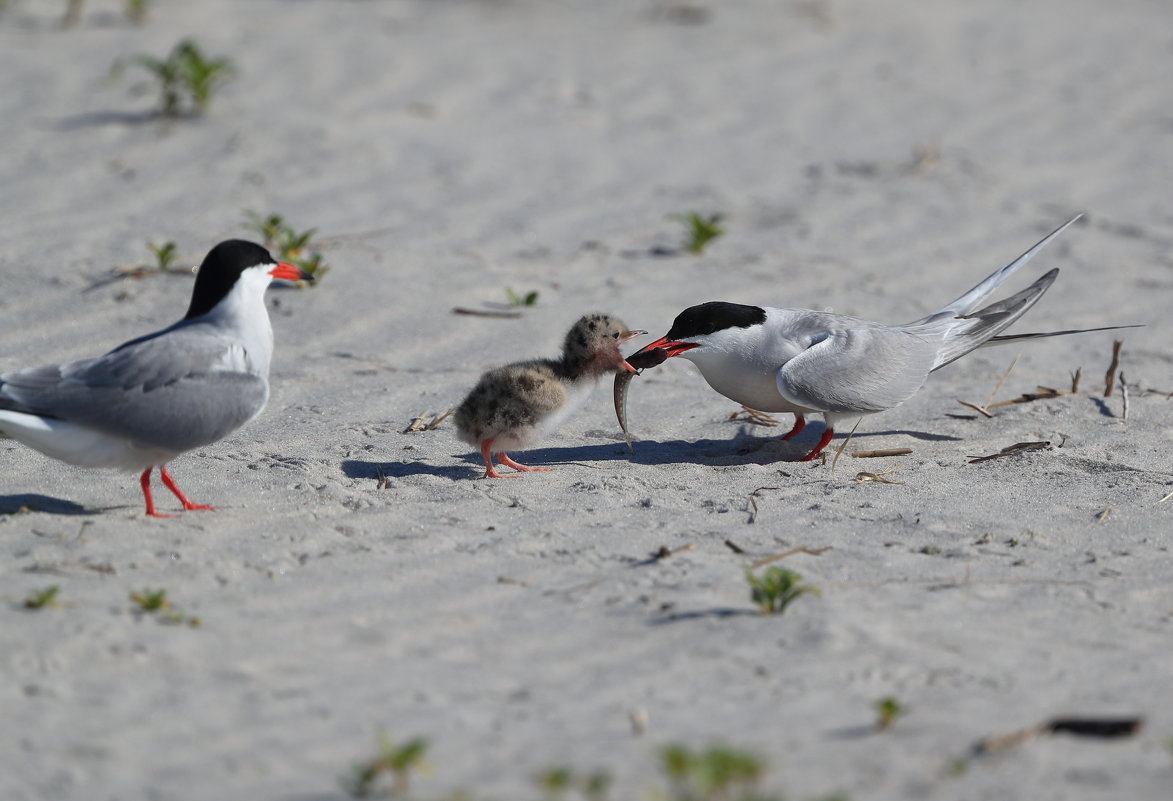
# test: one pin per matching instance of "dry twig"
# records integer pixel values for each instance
(1113, 367)
(485, 312)
(876, 477)
(1020, 447)
(754, 416)
(800, 549)
(880, 453)
(422, 423)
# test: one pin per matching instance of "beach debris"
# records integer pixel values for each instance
(1010, 450)
(878, 478)
(1099, 728)
(733, 546)
(421, 422)
(776, 588)
(639, 720)
(1123, 398)
(786, 554)
(881, 453)
(640, 361)
(1102, 515)
(754, 416)
(381, 480)
(1167, 497)
(663, 552)
(1113, 368)
(509, 315)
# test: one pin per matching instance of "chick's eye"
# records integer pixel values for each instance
(615, 335)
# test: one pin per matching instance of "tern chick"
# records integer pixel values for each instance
(512, 406)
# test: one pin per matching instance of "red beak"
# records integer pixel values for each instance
(673, 348)
(290, 272)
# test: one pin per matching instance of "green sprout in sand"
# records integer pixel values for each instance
(399, 762)
(557, 783)
(776, 589)
(715, 774)
(43, 599)
(165, 255)
(701, 230)
(155, 602)
(293, 246)
(888, 710)
(517, 299)
(187, 79)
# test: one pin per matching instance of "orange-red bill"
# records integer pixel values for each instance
(290, 272)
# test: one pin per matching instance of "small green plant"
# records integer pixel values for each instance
(137, 10)
(888, 710)
(187, 79)
(43, 599)
(516, 299)
(291, 245)
(776, 589)
(165, 255)
(155, 602)
(718, 773)
(557, 783)
(399, 762)
(701, 230)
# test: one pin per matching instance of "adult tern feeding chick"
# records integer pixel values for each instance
(807, 362)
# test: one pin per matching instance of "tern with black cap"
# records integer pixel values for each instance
(155, 397)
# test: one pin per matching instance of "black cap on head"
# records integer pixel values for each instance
(716, 315)
(219, 271)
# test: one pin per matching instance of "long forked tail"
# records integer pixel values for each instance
(974, 330)
(966, 304)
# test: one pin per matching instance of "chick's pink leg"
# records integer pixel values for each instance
(522, 468)
(490, 469)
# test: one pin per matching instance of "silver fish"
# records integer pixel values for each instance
(643, 360)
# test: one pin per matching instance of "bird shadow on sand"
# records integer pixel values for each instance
(742, 449)
(92, 119)
(720, 613)
(34, 502)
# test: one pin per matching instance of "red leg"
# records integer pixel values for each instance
(830, 432)
(146, 484)
(490, 469)
(171, 485)
(521, 468)
(799, 425)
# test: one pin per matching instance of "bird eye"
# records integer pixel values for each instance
(615, 335)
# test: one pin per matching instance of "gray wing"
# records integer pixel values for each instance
(858, 370)
(178, 389)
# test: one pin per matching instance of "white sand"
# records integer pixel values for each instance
(448, 150)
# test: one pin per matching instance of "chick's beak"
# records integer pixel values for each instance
(630, 335)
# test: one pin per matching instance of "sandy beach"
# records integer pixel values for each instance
(874, 159)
